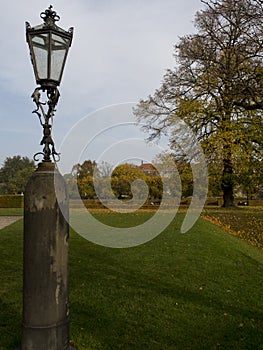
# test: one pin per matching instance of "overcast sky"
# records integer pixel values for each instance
(119, 54)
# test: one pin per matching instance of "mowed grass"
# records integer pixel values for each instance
(200, 290)
(11, 211)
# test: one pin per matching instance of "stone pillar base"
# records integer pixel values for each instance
(45, 287)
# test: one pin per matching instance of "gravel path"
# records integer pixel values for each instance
(8, 220)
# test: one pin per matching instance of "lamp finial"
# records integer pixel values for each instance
(49, 16)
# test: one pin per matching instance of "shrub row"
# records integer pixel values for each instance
(96, 204)
(11, 201)
(17, 201)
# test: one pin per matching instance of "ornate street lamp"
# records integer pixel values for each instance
(49, 46)
(46, 321)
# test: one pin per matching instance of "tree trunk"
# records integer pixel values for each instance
(227, 184)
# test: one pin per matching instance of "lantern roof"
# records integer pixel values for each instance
(49, 17)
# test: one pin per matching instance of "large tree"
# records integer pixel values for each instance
(85, 169)
(123, 176)
(15, 174)
(216, 88)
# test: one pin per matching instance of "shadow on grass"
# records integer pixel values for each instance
(11, 286)
(10, 327)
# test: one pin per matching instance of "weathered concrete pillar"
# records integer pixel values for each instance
(46, 233)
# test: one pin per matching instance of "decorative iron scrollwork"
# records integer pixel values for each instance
(46, 121)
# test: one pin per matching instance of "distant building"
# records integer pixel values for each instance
(148, 169)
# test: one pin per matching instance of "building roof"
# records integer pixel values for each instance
(148, 169)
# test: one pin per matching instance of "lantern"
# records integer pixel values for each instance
(48, 45)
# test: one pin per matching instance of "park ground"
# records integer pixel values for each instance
(200, 290)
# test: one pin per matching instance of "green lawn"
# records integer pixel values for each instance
(11, 211)
(200, 290)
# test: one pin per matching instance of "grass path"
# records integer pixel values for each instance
(8, 220)
(200, 290)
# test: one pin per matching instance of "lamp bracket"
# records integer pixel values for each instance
(46, 121)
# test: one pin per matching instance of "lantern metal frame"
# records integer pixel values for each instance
(48, 45)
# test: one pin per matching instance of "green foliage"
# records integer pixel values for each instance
(122, 178)
(85, 169)
(80, 180)
(120, 184)
(86, 187)
(128, 170)
(186, 179)
(155, 186)
(15, 174)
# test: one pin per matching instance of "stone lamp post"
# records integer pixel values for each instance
(46, 230)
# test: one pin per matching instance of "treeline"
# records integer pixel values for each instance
(91, 180)
(122, 182)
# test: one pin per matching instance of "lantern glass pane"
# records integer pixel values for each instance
(40, 47)
(59, 48)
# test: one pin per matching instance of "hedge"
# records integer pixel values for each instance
(11, 201)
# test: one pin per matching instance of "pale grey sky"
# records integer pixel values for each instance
(119, 54)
